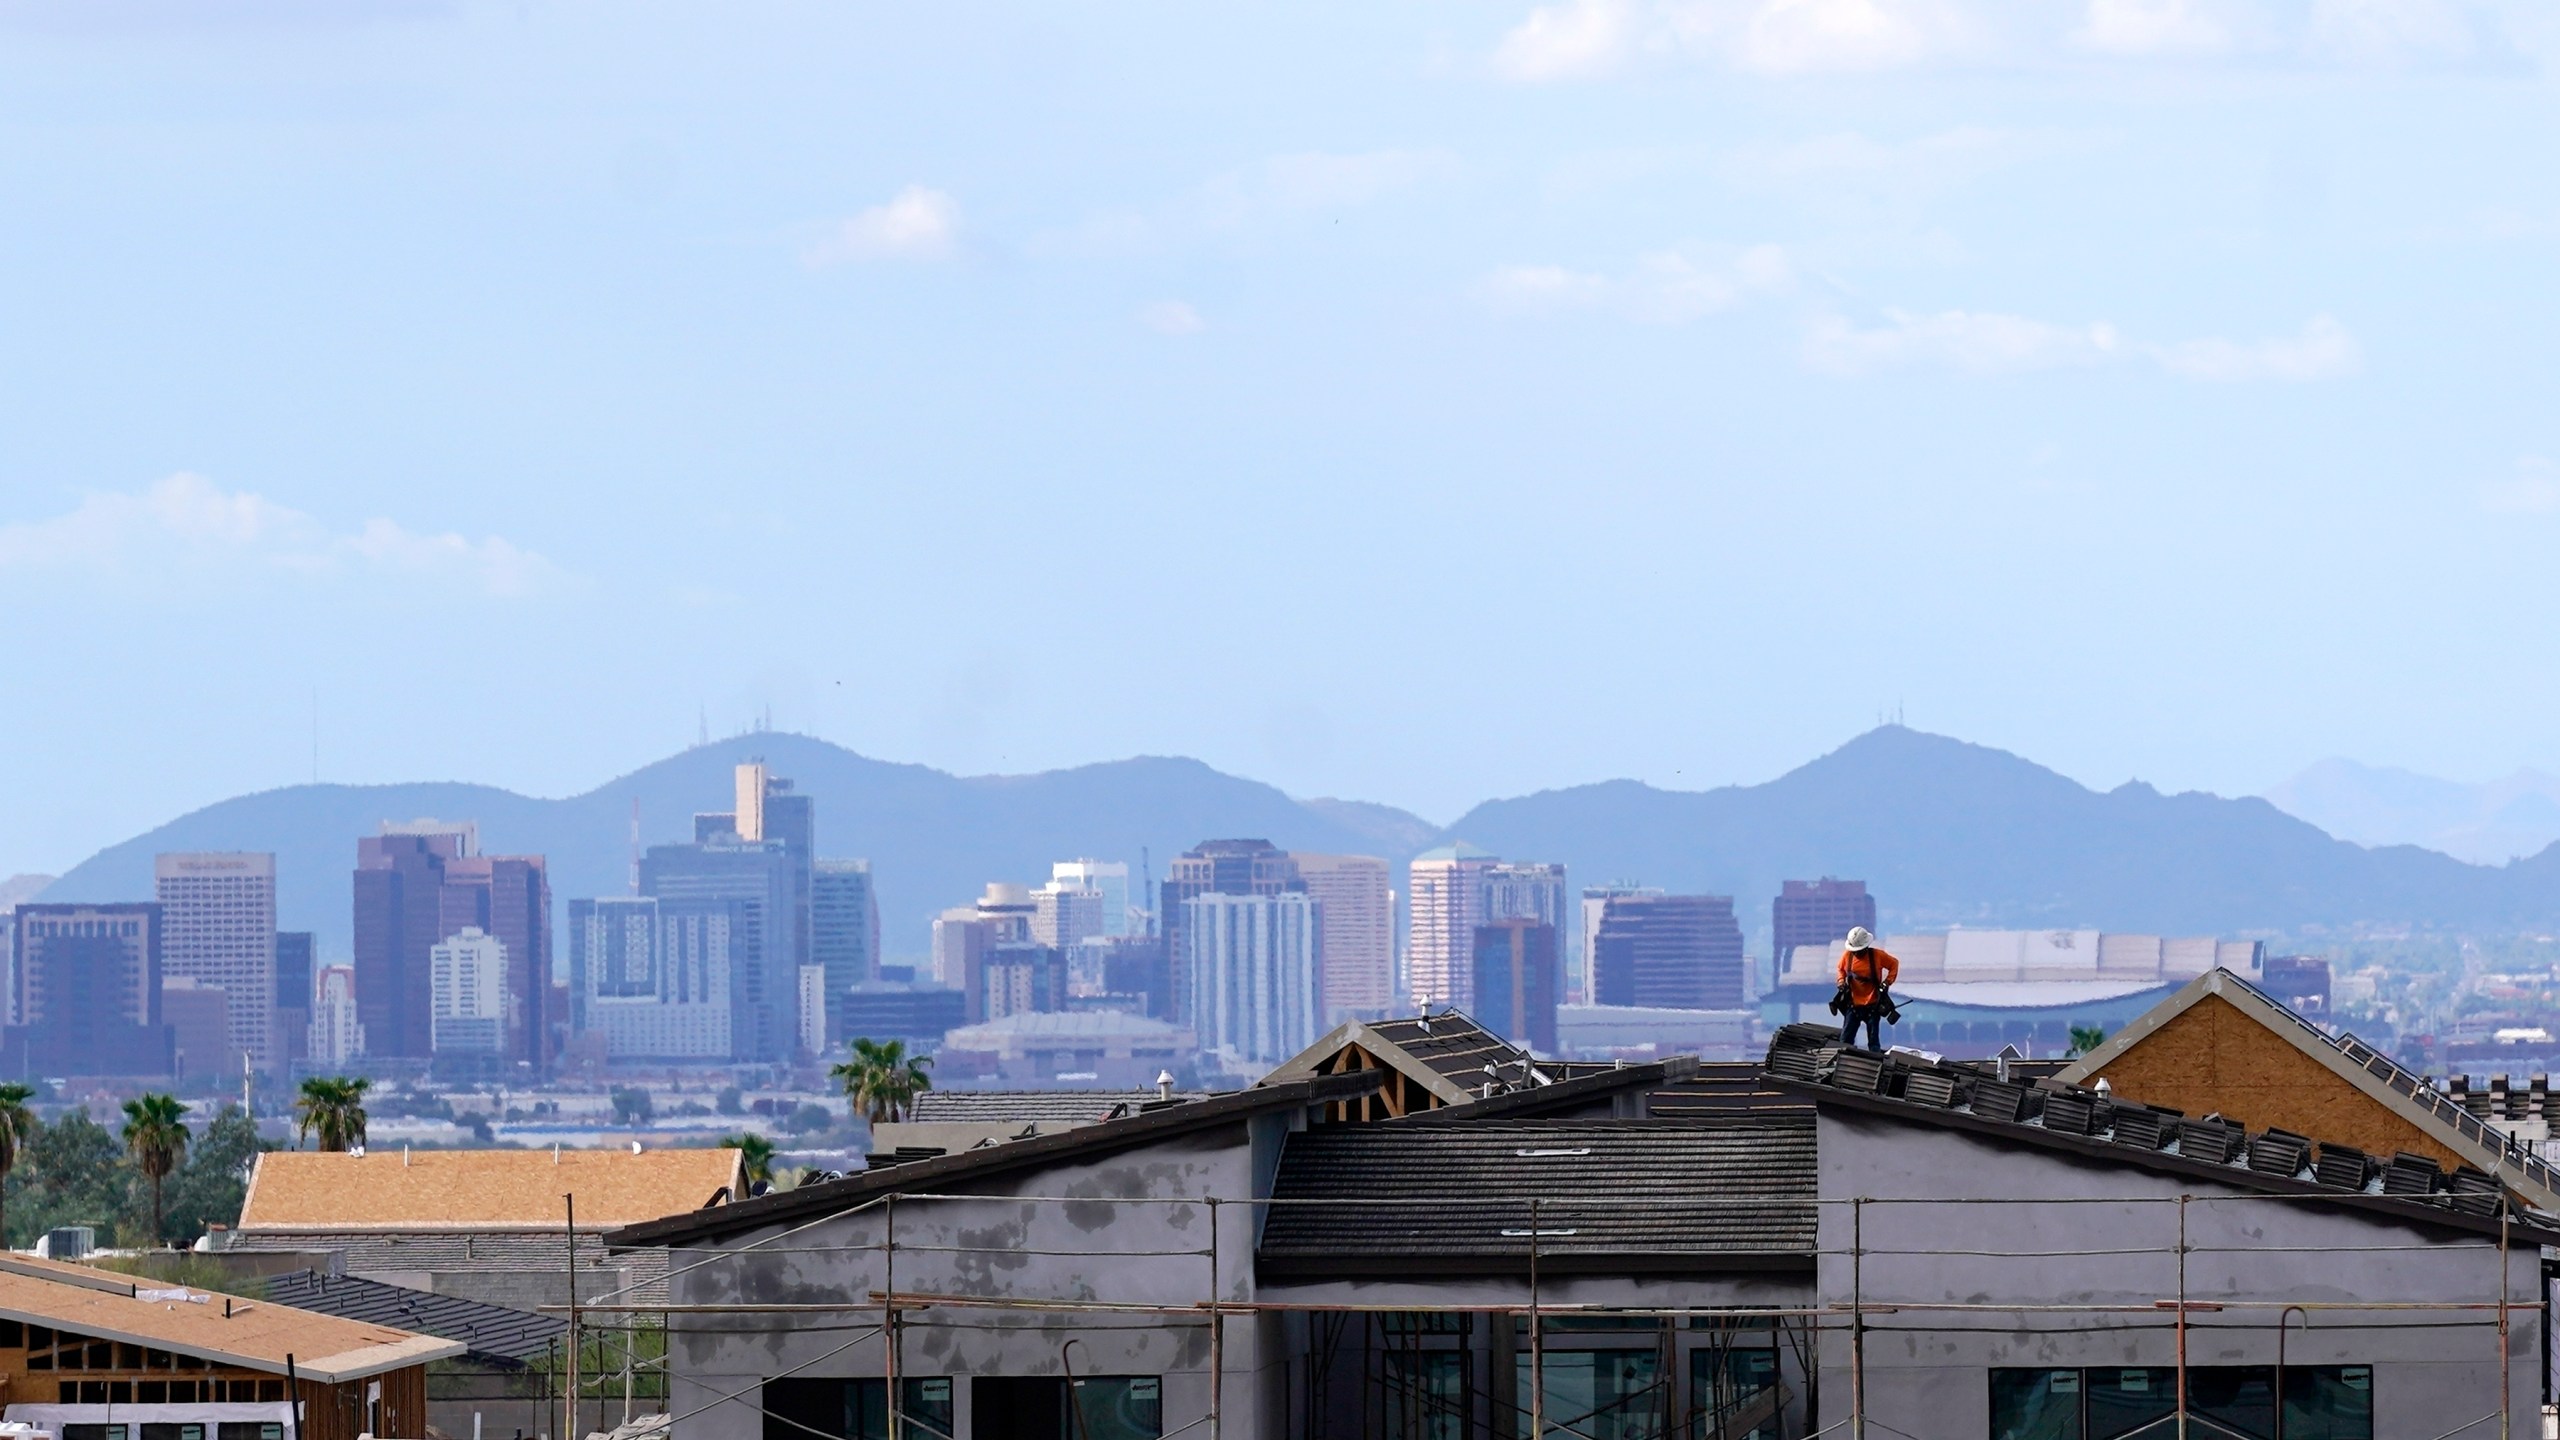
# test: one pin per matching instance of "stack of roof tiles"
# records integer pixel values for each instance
(1809, 1054)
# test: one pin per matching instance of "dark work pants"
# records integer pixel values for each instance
(1866, 1015)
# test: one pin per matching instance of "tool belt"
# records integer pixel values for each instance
(1844, 1007)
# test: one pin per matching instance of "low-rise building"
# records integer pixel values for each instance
(87, 1354)
(1106, 1048)
(487, 1225)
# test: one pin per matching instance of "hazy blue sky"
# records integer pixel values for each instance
(1416, 402)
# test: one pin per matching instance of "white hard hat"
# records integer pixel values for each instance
(1859, 938)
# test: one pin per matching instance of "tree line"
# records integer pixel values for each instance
(147, 1181)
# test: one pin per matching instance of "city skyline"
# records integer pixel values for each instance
(2074, 335)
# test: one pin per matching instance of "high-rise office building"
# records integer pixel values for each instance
(759, 878)
(1816, 912)
(422, 882)
(1110, 878)
(199, 1020)
(1125, 972)
(1255, 963)
(509, 898)
(844, 930)
(469, 973)
(87, 992)
(1516, 984)
(769, 811)
(1679, 952)
(218, 918)
(337, 1032)
(1595, 901)
(1020, 977)
(399, 913)
(653, 977)
(1064, 914)
(1443, 892)
(1453, 890)
(1357, 913)
(1216, 867)
(296, 957)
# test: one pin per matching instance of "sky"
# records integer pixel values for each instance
(1418, 403)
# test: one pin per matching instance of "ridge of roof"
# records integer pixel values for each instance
(2381, 1079)
(2103, 1127)
(1529, 1102)
(1085, 1142)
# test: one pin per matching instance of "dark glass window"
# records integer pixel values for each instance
(2328, 1402)
(1425, 1322)
(1424, 1396)
(849, 1409)
(2224, 1402)
(2119, 1403)
(1600, 1394)
(2035, 1405)
(2233, 1400)
(1117, 1407)
(1724, 1385)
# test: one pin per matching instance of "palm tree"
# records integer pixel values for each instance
(756, 1153)
(18, 1125)
(882, 1079)
(155, 1130)
(333, 1106)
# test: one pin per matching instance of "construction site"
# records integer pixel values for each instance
(1414, 1229)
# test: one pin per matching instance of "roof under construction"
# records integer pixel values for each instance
(320, 1190)
(225, 1330)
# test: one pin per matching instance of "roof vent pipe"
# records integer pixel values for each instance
(1164, 1084)
(555, 1152)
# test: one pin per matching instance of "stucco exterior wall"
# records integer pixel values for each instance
(1000, 1243)
(2108, 1235)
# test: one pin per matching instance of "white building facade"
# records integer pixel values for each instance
(218, 928)
(468, 983)
(335, 1036)
(1256, 965)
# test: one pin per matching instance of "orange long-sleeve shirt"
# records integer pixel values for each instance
(1875, 969)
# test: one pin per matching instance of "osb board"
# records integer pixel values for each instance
(2213, 1057)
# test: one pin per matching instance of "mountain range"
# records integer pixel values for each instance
(2486, 824)
(1943, 831)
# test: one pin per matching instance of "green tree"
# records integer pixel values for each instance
(17, 1125)
(755, 1152)
(73, 1173)
(209, 1188)
(2085, 1038)
(333, 1108)
(882, 1079)
(155, 1134)
(631, 1106)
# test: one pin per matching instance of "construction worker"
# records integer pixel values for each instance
(1867, 972)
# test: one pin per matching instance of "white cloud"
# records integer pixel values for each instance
(1172, 317)
(2533, 490)
(917, 224)
(1280, 191)
(2153, 28)
(1567, 40)
(2324, 350)
(1790, 37)
(188, 521)
(1666, 287)
(1977, 343)
(1570, 41)
(1985, 343)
